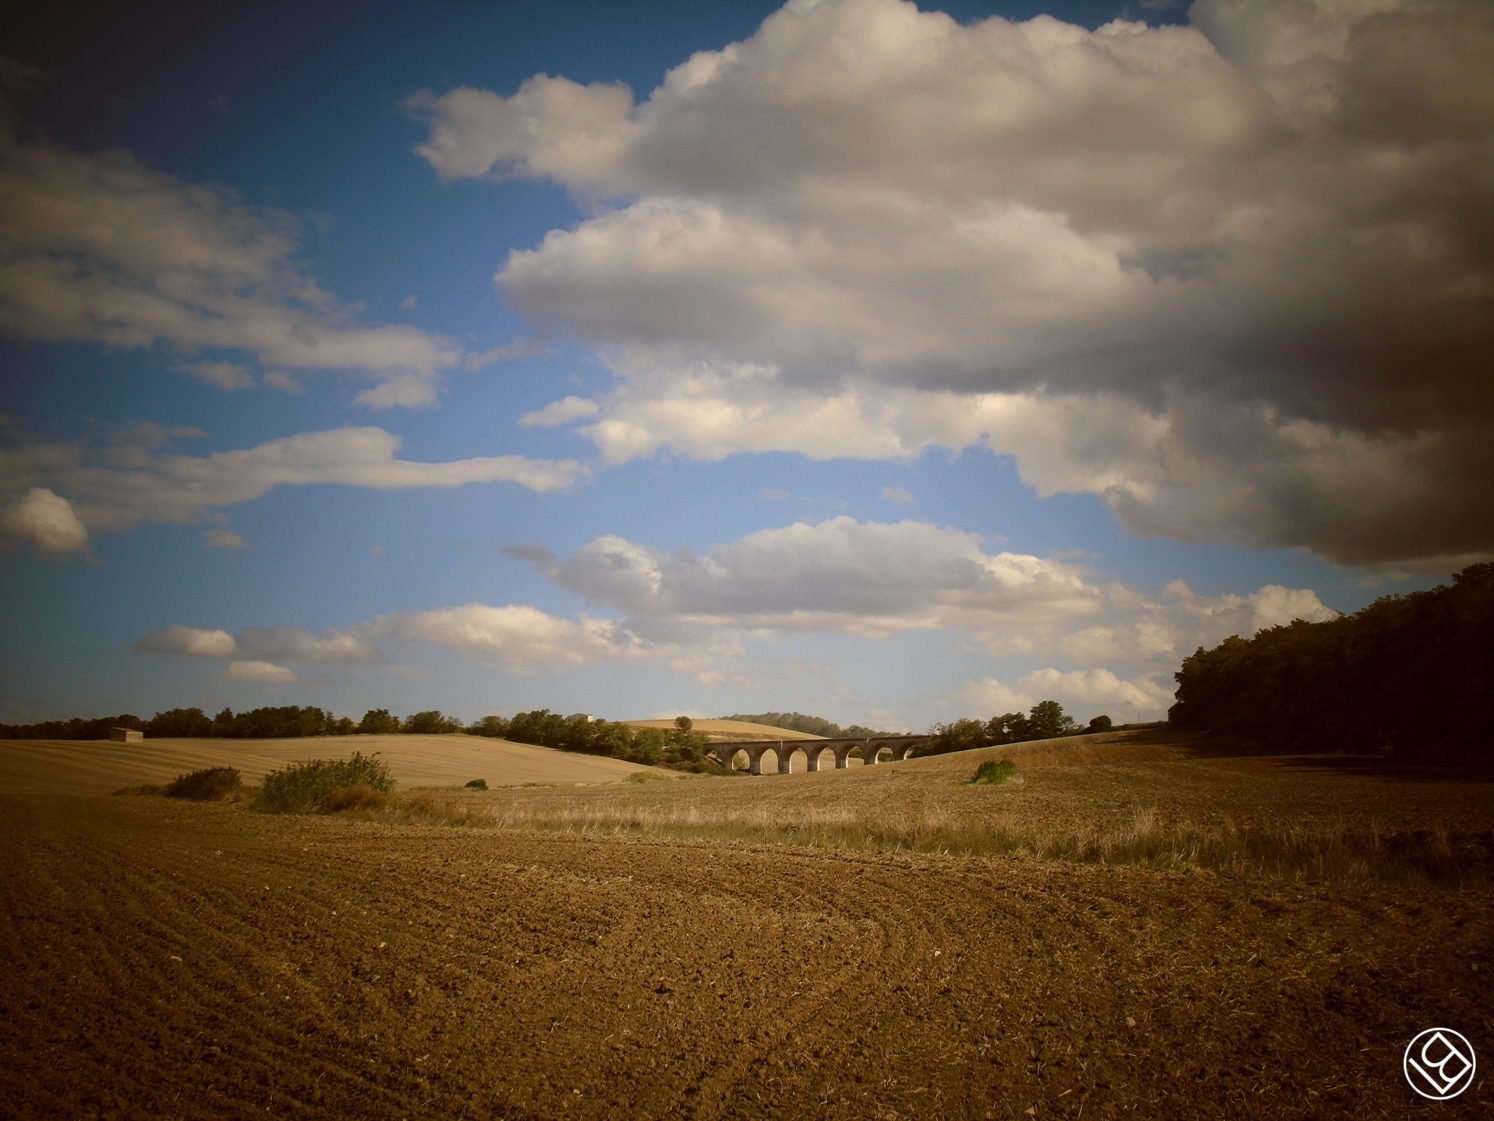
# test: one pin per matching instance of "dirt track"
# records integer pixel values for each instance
(181, 960)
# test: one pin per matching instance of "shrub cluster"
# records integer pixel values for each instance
(325, 785)
(210, 785)
(1409, 675)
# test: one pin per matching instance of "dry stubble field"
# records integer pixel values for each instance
(1140, 926)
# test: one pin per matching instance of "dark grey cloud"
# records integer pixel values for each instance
(1254, 251)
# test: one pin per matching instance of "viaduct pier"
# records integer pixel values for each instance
(783, 750)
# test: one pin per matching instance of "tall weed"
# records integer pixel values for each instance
(324, 785)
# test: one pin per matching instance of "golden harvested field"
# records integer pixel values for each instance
(731, 729)
(1139, 926)
(100, 765)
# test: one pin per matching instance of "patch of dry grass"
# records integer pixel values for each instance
(1136, 798)
(1334, 852)
(1117, 799)
(214, 784)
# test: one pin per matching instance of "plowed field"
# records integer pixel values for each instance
(167, 959)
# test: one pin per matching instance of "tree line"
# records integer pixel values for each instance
(285, 722)
(1408, 676)
(1046, 720)
(679, 747)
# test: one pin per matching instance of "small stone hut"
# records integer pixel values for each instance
(125, 735)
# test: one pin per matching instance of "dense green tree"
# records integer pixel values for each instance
(1009, 727)
(961, 735)
(1048, 720)
(76, 728)
(493, 727)
(430, 723)
(542, 727)
(683, 745)
(282, 722)
(600, 737)
(1408, 675)
(378, 722)
(179, 722)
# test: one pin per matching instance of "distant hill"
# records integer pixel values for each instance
(728, 731)
(814, 725)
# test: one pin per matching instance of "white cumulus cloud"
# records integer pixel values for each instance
(297, 644)
(516, 637)
(697, 612)
(260, 671)
(47, 520)
(284, 643)
(878, 579)
(838, 575)
(1087, 692)
(190, 641)
(559, 412)
(226, 376)
(138, 482)
(100, 248)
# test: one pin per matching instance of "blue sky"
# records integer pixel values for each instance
(886, 363)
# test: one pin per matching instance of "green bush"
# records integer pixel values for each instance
(378, 722)
(318, 784)
(179, 722)
(478, 784)
(993, 773)
(210, 785)
(431, 723)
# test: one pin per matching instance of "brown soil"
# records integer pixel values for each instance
(200, 960)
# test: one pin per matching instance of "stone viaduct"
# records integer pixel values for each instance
(784, 750)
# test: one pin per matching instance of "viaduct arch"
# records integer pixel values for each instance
(783, 751)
